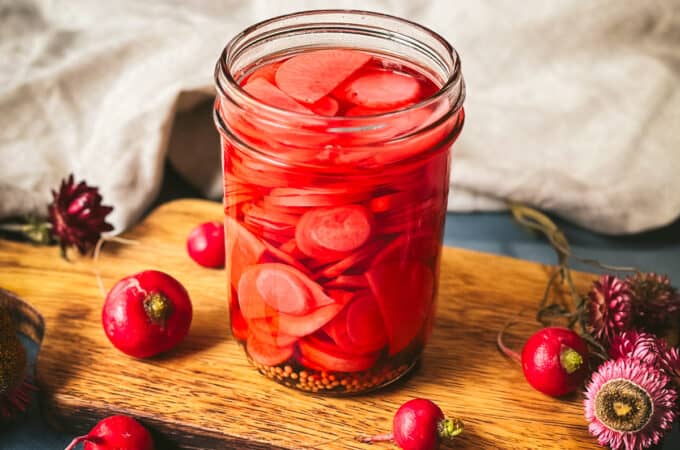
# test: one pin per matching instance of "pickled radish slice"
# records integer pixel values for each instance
(327, 106)
(326, 232)
(365, 327)
(267, 354)
(280, 286)
(243, 249)
(381, 89)
(403, 291)
(264, 332)
(422, 247)
(287, 258)
(310, 364)
(330, 357)
(388, 202)
(257, 211)
(341, 296)
(250, 301)
(353, 260)
(351, 281)
(307, 324)
(239, 326)
(289, 247)
(267, 93)
(267, 72)
(309, 76)
(359, 328)
(336, 329)
(282, 289)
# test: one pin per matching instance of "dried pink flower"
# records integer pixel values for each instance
(671, 364)
(77, 216)
(639, 345)
(629, 404)
(609, 308)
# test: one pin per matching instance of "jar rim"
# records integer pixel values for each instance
(223, 74)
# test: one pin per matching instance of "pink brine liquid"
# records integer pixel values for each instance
(334, 228)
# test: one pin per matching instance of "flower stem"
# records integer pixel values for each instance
(14, 227)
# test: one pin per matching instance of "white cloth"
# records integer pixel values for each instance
(572, 106)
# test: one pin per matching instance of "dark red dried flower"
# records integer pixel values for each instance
(654, 300)
(77, 216)
(609, 308)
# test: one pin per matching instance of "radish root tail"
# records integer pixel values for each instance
(97, 252)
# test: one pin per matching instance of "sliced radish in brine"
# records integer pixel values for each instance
(256, 210)
(307, 324)
(243, 249)
(365, 326)
(403, 291)
(331, 358)
(309, 76)
(310, 364)
(239, 326)
(290, 247)
(267, 72)
(250, 301)
(347, 281)
(330, 232)
(352, 261)
(265, 332)
(389, 202)
(287, 258)
(359, 328)
(267, 93)
(267, 354)
(327, 106)
(380, 89)
(282, 287)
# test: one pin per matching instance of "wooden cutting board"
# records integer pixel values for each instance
(205, 395)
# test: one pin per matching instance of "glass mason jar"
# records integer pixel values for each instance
(334, 220)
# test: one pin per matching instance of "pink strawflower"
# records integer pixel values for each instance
(649, 349)
(77, 215)
(629, 404)
(671, 364)
(654, 299)
(609, 308)
(639, 345)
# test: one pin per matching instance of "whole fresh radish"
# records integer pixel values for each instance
(146, 314)
(205, 244)
(419, 424)
(115, 433)
(553, 360)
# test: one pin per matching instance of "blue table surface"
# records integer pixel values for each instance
(494, 233)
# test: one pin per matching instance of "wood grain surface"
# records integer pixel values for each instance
(205, 395)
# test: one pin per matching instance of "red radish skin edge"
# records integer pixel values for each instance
(115, 433)
(553, 360)
(146, 314)
(419, 424)
(205, 245)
